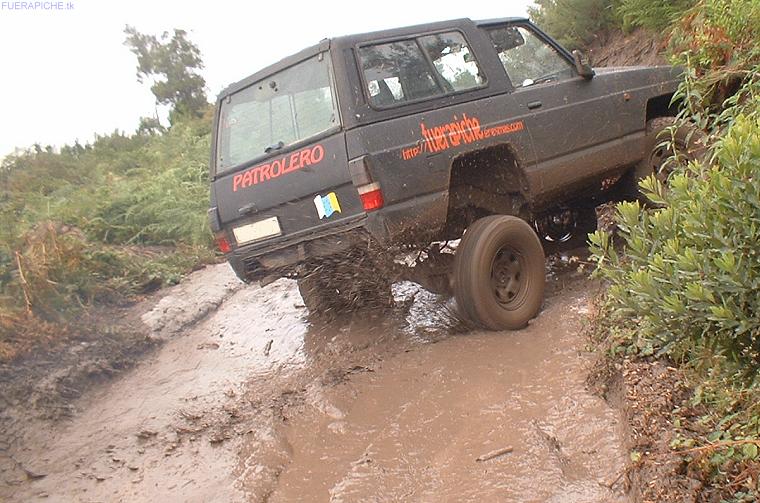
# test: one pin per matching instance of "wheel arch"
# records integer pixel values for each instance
(661, 106)
(488, 180)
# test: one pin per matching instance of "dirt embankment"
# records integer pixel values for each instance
(640, 47)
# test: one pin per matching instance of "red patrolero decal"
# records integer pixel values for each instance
(455, 133)
(264, 172)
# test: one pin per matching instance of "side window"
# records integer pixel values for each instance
(453, 61)
(398, 72)
(528, 59)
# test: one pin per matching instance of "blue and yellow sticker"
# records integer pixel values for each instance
(327, 205)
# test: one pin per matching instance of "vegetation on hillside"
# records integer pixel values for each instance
(684, 283)
(575, 23)
(94, 224)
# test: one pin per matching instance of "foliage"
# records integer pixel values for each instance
(689, 279)
(574, 23)
(656, 15)
(686, 282)
(173, 64)
(717, 43)
(97, 223)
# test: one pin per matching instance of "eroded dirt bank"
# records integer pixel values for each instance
(255, 403)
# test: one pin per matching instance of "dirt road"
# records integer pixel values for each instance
(255, 403)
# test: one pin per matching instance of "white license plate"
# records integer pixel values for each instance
(257, 230)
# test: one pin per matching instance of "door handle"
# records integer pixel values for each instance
(534, 104)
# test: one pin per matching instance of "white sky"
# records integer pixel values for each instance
(66, 74)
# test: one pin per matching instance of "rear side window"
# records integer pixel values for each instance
(401, 71)
(453, 61)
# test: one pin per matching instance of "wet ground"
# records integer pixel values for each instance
(256, 403)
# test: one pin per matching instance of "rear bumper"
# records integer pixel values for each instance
(279, 258)
(417, 219)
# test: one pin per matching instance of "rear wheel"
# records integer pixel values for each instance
(345, 283)
(499, 274)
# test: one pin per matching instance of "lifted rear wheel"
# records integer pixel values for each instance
(499, 274)
(343, 284)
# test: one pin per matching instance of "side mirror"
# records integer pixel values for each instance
(582, 66)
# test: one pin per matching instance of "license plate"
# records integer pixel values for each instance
(257, 230)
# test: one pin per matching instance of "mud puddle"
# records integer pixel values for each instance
(258, 403)
(414, 427)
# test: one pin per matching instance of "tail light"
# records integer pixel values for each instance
(371, 196)
(369, 192)
(222, 243)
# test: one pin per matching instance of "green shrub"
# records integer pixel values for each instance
(97, 223)
(163, 199)
(574, 23)
(690, 276)
(655, 15)
(717, 42)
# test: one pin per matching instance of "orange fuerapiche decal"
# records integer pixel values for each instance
(455, 133)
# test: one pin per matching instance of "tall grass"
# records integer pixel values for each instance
(98, 223)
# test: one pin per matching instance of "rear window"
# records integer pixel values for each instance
(280, 110)
(401, 71)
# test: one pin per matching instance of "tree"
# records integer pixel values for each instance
(172, 62)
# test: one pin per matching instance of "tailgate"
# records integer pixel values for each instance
(305, 188)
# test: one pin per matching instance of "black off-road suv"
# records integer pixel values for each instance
(332, 161)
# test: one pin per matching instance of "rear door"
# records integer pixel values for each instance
(281, 164)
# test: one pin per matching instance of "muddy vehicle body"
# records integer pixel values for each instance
(330, 163)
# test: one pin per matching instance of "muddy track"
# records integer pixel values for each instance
(256, 403)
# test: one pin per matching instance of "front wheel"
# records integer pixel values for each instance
(499, 273)
(667, 144)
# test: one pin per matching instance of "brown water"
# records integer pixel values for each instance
(257, 403)
(412, 429)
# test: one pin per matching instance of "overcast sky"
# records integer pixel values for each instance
(66, 74)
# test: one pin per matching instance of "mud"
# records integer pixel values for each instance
(256, 403)
(640, 47)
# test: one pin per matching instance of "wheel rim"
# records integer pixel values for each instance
(657, 159)
(508, 277)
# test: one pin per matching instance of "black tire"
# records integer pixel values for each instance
(499, 273)
(314, 293)
(687, 140)
(345, 284)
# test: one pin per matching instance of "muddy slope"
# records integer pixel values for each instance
(640, 47)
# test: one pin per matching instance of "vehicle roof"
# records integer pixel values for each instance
(352, 40)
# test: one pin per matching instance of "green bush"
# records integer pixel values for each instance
(96, 223)
(690, 276)
(163, 199)
(656, 15)
(717, 42)
(574, 23)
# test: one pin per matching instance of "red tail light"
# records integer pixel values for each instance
(371, 196)
(369, 191)
(223, 244)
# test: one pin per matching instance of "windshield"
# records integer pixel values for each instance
(282, 109)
